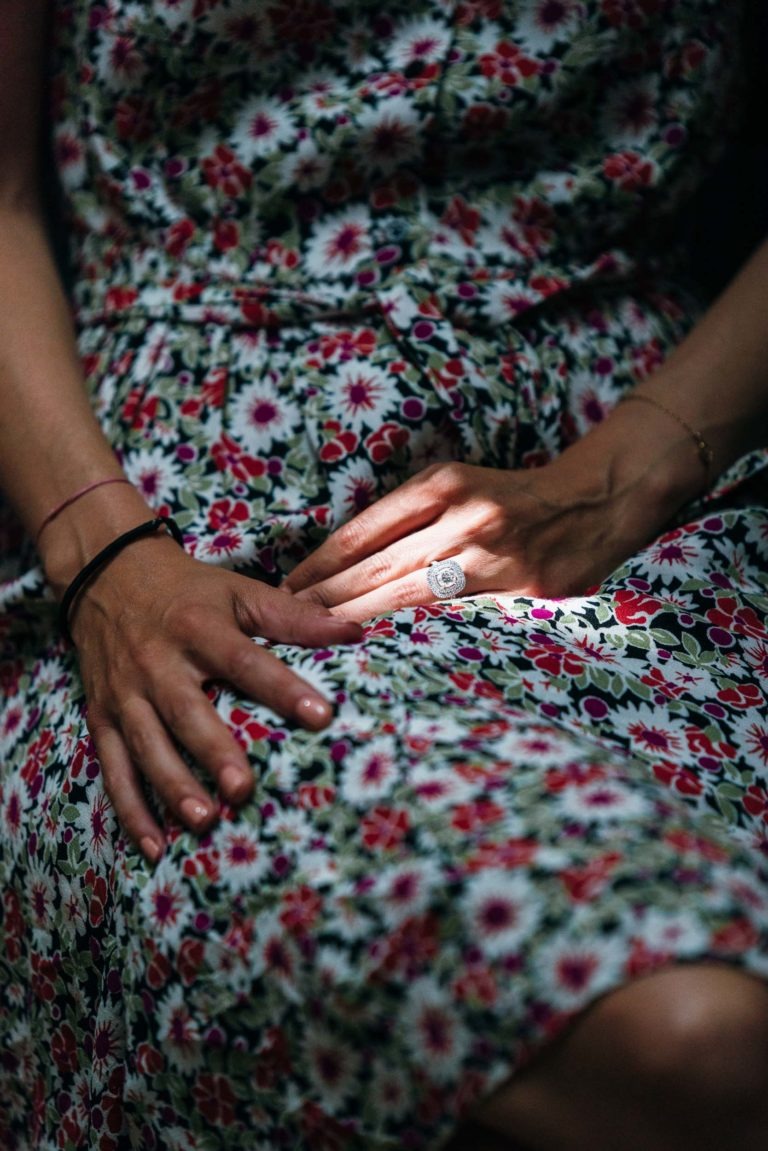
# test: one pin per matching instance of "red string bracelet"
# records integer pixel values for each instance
(52, 515)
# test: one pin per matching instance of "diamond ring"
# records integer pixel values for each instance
(446, 579)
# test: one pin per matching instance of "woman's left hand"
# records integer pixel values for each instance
(552, 531)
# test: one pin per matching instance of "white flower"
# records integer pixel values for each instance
(678, 932)
(503, 910)
(332, 1065)
(603, 800)
(154, 473)
(574, 972)
(244, 859)
(339, 242)
(352, 488)
(262, 417)
(631, 110)
(165, 906)
(406, 889)
(290, 828)
(540, 25)
(370, 771)
(437, 788)
(359, 392)
(389, 134)
(434, 1031)
(391, 1091)
(263, 125)
(306, 167)
(178, 1032)
(419, 42)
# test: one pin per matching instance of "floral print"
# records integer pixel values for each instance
(315, 248)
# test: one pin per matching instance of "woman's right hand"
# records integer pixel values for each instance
(152, 630)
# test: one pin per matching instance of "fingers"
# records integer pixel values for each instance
(273, 614)
(261, 675)
(176, 712)
(123, 786)
(406, 510)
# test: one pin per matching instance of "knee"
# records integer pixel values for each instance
(698, 1036)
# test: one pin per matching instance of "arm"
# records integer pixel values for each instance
(156, 624)
(559, 529)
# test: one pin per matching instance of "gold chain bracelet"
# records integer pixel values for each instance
(703, 447)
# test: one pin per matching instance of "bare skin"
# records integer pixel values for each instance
(157, 625)
(677, 1061)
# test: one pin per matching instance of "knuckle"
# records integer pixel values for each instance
(353, 535)
(450, 480)
(378, 568)
(178, 708)
(186, 618)
(242, 660)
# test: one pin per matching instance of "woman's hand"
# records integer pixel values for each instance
(151, 631)
(552, 531)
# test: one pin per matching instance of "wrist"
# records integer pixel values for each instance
(639, 463)
(83, 529)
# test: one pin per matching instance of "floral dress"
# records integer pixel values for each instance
(317, 245)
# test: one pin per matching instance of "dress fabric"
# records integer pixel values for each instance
(317, 246)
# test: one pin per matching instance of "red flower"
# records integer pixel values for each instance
(736, 937)
(226, 235)
(119, 298)
(228, 456)
(629, 13)
(635, 607)
(628, 170)
(228, 514)
(339, 446)
(468, 816)
(223, 171)
(245, 728)
(98, 900)
(190, 960)
(509, 63)
(678, 778)
(459, 217)
(584, 884)
(135, 118)
(64, 1048)
(555, 658)
(149, 1061)
(508, 853)
(313, 796)
(386, 441)
(178, 236)
(413, 945)
(756, 802)
(384, 827)
(215, 1099)
(745, 696)
(158, 970)
(300, 909)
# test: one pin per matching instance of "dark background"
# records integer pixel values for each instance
(729, 217)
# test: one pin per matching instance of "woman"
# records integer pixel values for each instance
(499, 855)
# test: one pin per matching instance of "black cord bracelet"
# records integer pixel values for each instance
(86, 574)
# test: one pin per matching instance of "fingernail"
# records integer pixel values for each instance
(150, 848)
(235, 782)
(193, 812)
(312, 711)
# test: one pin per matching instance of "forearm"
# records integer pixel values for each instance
(715, 381)
(50, 441)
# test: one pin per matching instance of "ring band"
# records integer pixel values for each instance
(446, 579)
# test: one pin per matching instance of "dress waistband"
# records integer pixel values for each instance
(483, 296)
